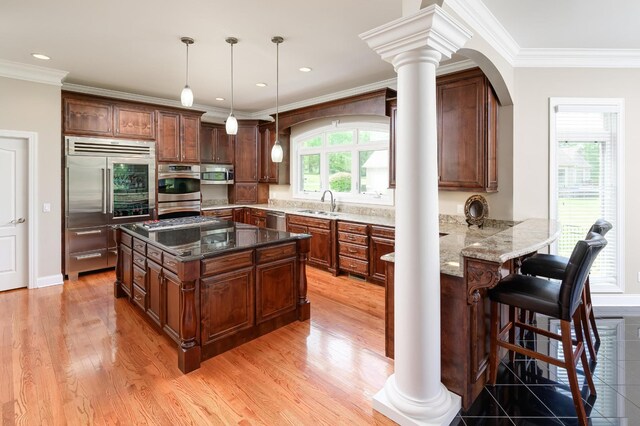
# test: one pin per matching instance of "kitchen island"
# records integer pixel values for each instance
(472, 260)
(211, 285)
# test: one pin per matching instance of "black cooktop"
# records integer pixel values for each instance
(178, 222)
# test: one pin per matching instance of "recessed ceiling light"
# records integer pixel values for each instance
(40, 56)
(305, 69)
(219, 99)
(261, 84)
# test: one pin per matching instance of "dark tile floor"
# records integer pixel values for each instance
(531, 392)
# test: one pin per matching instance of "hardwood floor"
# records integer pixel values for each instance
(73, 354)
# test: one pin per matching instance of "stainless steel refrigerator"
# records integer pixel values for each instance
(108, 182)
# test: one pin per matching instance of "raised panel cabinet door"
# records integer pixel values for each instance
(239, 215)
(168, 136)
(171, 302)
(88, 117)
(320, 247)
(245, 193)
(190, 147)
(461, 134)
(154, 291)
(207, 143)
(228, 302)
(246, 169)
(225, 147)
(134, 122)
(380, 247)
(127, 269)
(268, 170)
(275, 289)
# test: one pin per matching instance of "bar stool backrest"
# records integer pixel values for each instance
(601, 227)
(582, 257)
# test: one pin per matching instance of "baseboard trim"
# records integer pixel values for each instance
(50, 280)
(616, 304)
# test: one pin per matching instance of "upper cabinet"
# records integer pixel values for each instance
(178, 140)
(467, 124)
(87, 117)
(246, 152)
(268, 171)
(216, 146)
(134, 122)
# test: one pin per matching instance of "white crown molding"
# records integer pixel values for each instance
(31, 73)
(482, 21)
(578, 58)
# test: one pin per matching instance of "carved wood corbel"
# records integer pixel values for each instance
(480, 274)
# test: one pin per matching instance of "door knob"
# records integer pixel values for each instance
(16, 221)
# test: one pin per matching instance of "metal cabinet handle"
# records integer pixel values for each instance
(88, 256)
(138, 297)
(95, 231)
(104, 191)
(16, 221)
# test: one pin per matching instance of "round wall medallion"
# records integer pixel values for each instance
(476, 210)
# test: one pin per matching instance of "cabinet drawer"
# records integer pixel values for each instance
(355, 251)
(87, 261)
(139, 260)
(154, 254)
(139, 276)
(125, 239)
(309, 221)
(353, 265)
(140, 246)
(218, 213)
(228, 262)
(383, 231)
(269, 254)
(140, 297)
(86, 239)
(356, 228)
(353, 238)
(169, 261)
(258, 213)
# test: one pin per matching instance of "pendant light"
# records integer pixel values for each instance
(276, 151)
(232, 124)
(186, 97)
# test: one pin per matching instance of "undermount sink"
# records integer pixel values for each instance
(319, 212)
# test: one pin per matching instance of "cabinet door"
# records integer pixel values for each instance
(380, 247)
(207, 144)
(244, 193)
(88, 117)
(320, 246)
(135, 122)
(168, 136)
(259, 221)
(225, 147)
(268, 170)
(171, 302)
(154, 291)
(246, 149)
(189, 131)
(275, 289)
(238, 215)
(227, 304)
(461, 134)
(127, 269)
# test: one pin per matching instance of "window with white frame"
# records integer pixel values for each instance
(586, 180)
(351, 159)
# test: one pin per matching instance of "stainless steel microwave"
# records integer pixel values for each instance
(216, 174)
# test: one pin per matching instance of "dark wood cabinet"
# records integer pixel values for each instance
(258, 218)
(322, 250)
(273, 296)
(127, 269)
(382, 242)
(224, 214)
(216, 146)
(134, 122)
(87, 117)
(171, 302)
(154, 291)
(467, 120)
(353, 248)
(178, 137)
(268, 171)
(246, 153)
(228, 301)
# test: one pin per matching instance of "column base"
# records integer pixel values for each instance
(440, 411)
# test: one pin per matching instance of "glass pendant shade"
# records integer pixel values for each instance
(276, 152)
(186, 97)
(231, 126)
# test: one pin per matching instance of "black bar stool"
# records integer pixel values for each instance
(556, 299)
(553, 266)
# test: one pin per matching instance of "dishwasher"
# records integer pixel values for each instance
(276, 220)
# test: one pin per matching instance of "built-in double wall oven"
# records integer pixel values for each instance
(178, 190)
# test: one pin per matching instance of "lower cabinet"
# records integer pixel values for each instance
(322, 250)
(353, 248)
(223, 214)
(228, 301)
(382, 242)
(127, 269)
(274, 298)
(258, 218)
(154, 292)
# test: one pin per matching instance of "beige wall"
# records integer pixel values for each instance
(533, 88)
(35, 107)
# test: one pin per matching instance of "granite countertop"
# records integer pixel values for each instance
(491, 244)
(209, 239)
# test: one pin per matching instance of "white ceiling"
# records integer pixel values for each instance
(134, 46)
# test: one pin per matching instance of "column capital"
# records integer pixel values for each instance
(431, 28)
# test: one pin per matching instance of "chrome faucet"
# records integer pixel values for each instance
(333, 201)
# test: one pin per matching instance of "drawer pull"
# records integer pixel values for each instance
(95, 231)
(88, 256)
(352, 250)
(138, 298)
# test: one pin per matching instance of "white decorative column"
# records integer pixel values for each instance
(415, 44)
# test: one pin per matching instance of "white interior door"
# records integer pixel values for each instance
(13, 213)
